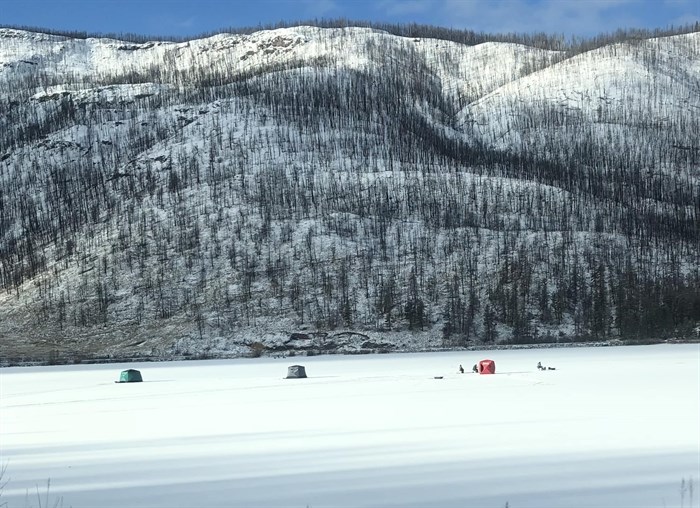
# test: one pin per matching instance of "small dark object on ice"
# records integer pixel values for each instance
(475, 369)
(461, 369)
(540, 367)
(551, 368)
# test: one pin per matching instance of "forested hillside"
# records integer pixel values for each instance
(344, 189)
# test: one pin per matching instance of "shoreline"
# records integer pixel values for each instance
(293, 353)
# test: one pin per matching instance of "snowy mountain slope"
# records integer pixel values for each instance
(643, 85)
(377, 191)
(467, 70)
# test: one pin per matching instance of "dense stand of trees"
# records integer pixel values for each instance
(311, 194)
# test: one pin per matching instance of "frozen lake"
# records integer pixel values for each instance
(611, 426)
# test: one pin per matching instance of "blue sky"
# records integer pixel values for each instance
(193, 17)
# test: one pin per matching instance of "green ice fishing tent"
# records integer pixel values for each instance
(130, 376)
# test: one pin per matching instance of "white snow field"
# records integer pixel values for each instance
(610, 427)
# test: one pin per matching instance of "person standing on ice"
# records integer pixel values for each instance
(461, 369)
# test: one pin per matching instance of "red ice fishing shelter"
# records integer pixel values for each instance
(486, 367)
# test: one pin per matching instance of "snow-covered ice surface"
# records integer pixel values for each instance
(611, 426)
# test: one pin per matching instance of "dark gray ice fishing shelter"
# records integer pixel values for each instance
(296, 371)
